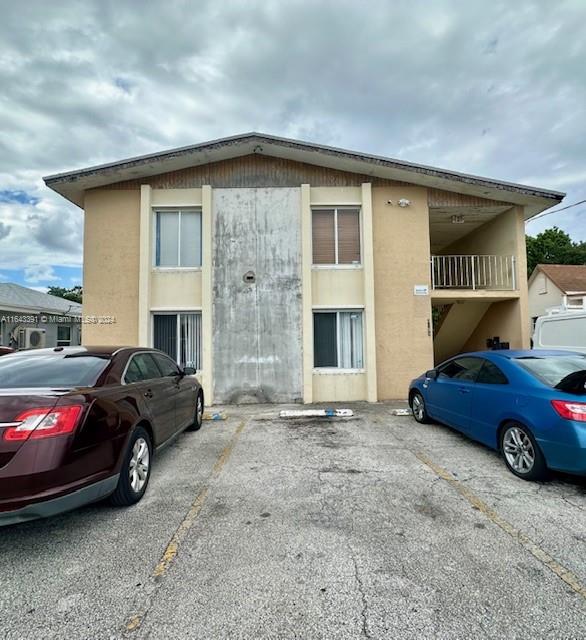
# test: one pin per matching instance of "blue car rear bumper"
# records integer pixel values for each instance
(567, 454)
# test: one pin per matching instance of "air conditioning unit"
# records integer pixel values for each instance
(31, 338)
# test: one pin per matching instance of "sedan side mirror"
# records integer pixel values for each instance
(431, 374)
(189, 371)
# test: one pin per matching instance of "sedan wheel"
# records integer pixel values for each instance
(521, 453)
(136, 470)
(198, 418)
(139, 465)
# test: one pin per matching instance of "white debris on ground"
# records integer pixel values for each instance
(401, 412)
(316, 413)
(214, 415)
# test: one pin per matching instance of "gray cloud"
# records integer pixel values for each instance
(496, 89)
(4, 230)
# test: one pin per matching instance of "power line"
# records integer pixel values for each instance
(546, 213)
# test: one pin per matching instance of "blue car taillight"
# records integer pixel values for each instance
(570, 410)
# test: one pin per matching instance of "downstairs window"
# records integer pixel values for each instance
(179, 336)
(338, 340)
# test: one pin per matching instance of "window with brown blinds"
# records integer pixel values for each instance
(348, 236)
(336, 236)
(324, 236)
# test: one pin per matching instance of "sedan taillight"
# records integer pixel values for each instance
(44, 423)
(570, 410)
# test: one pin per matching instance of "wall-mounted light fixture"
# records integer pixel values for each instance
(402, 202)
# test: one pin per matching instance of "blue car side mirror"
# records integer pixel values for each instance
(431, 374)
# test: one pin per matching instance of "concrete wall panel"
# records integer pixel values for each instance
(257, 354)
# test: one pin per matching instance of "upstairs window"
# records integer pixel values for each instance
(178, 239)
(336, 236)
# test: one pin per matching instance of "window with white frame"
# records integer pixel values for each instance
(338, 339)
(336, 236)
(179, 336)
(178, 238)
(63, 336)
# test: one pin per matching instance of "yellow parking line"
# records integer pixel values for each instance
(173, 547)
(570, 578)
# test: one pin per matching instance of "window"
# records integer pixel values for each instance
(337, 339)
(179, 336)
(461, 369)
(63, 336)
(178, 239)
(142, 367)
(552, 370)
(168, 368)
(336, 236)
(491, 374)
(132, 373)
(56, 371)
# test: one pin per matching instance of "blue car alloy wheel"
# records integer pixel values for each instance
(521, 453)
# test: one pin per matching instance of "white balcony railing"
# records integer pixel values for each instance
(473, 272)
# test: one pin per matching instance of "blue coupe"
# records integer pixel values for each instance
(530, 405)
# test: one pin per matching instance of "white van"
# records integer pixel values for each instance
(565, 330)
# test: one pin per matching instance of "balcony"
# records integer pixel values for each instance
(473, 272)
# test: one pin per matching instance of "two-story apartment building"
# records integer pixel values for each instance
(288, 271)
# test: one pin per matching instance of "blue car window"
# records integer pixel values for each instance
(553, 370)
(461, 369)
(491, 374)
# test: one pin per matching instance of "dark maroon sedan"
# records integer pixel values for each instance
(78, 424)
(5, 351)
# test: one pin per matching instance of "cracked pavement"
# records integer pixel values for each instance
(308, 529)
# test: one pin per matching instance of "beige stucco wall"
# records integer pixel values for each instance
(335, 196)
(404, 345)
(504, 235)
(340, 387)
(457, 327)
(334, 287)
(176, 290)
(502, 320)
(496, 237)
(111, 265)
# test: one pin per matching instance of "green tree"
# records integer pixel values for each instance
(553, 246)
(75, 294)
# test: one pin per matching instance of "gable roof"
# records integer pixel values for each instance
(15, 296)
(569, 278)
(73, 184)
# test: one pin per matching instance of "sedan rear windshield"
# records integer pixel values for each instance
(50, 371)
(567, 373)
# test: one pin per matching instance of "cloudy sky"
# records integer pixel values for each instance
(492, 88)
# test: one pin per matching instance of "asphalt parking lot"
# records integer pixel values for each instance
(257, 527)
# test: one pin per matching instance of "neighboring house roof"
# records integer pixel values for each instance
(72, 185)
(569, 278)
(14, 296)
